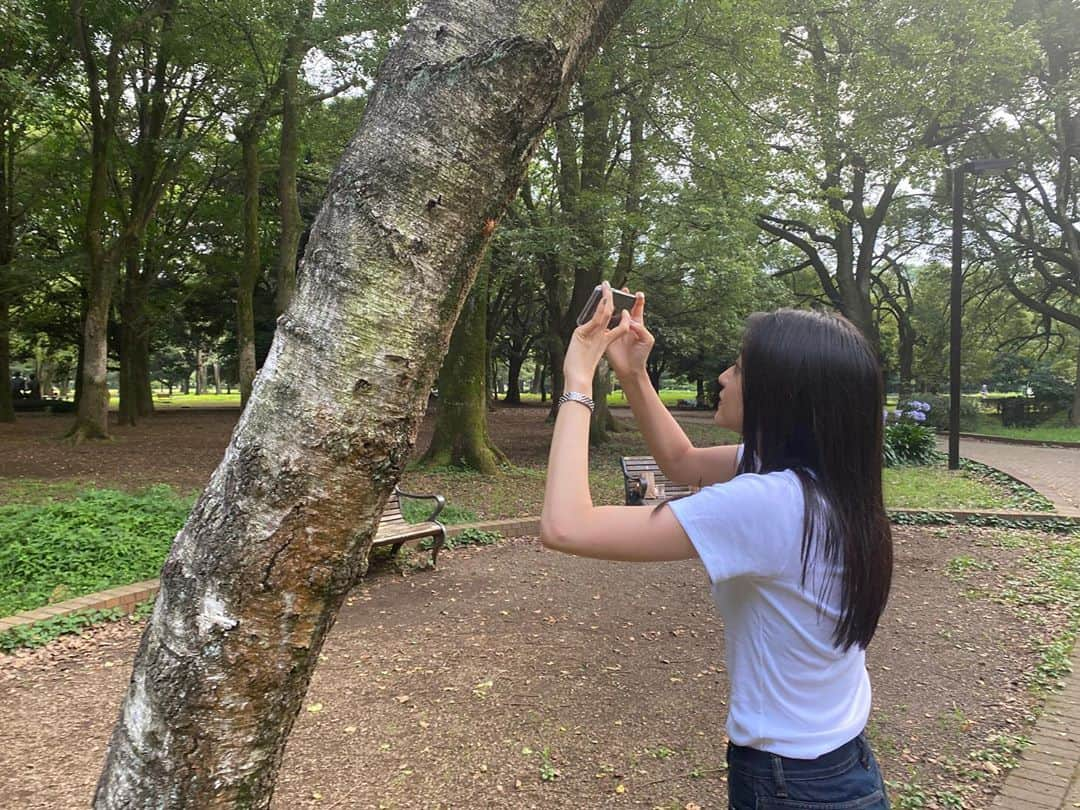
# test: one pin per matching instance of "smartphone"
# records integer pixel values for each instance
(622, 301)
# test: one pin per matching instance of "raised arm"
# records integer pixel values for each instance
(681, 462)
(569, 522)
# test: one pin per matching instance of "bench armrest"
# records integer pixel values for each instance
(440, 501)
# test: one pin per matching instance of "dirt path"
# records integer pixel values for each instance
(444, 689)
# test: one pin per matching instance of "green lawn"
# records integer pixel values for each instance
(940, 488)
(669, 396)
(1053, 430)
(178, 400)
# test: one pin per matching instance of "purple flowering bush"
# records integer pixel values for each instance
(908, 440)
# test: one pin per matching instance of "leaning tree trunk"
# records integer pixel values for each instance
(461, 437)
(256, 576)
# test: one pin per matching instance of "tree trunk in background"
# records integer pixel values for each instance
(200, 371)
(906, 352)
(257, 575)
(7, 254)
(248, 276)
(578, 190)
(136, 398)
(1074, 418)
(513, 378)
(461, 437)
(288, 199)
(217, 376)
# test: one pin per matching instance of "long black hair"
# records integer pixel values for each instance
(812, 403)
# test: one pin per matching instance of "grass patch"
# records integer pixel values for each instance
(101, 539)
(416, 511)
(177, 400)
(1053, 429)
(29, 491)
(936, 487)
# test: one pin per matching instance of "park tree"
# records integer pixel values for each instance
(256, 576)
(267, 83)
(33, 71)
(145, 93)
(461, 437)
(1028, 219)
(865, 101)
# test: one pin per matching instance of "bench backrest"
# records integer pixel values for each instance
(634, 466)
(391, 516)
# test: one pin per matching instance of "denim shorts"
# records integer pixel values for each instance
(847, 778)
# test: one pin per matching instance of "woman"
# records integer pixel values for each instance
(790, 527)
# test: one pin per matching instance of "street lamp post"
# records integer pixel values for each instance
(987, 166)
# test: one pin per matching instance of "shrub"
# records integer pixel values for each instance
(908, 443)
(910, 440)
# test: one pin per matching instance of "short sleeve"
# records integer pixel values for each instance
(749, 526)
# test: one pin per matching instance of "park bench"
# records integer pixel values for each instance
(394, 530)
(637, 471)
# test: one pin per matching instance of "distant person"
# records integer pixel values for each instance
(34, 387)
(790, 527)
(984, 392)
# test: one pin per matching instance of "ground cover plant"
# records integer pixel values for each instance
(102, 538)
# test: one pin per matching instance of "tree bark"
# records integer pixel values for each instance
(256, 576)
(461, 437)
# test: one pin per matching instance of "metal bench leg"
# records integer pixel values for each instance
(440, 538)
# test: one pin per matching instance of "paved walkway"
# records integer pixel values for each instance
(1053, 471)
(1048, 777)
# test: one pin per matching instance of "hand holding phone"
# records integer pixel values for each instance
(621, 300)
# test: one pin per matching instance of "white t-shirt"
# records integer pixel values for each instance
(793, 693)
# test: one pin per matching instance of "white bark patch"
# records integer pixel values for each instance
(138, 714)
(213, 614)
